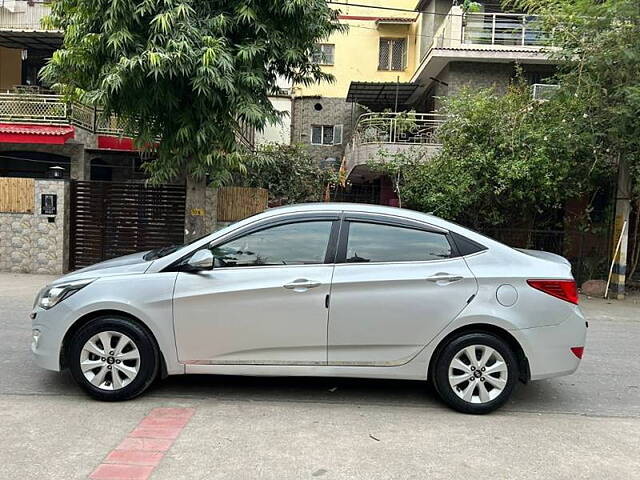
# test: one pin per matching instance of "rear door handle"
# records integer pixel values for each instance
(301, 283)
(443, 277)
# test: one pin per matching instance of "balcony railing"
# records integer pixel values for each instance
(33, 108)
(503, 29)
(50, 109)
(399, 128)
(499, 30)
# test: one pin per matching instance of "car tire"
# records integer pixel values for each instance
(480, 386)
(121, 371)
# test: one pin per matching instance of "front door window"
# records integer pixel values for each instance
(303, 243)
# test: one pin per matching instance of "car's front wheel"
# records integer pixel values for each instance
(476, 373)
(113, 358)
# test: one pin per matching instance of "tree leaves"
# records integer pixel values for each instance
(505, 158)
(288, 172)
(187, 71)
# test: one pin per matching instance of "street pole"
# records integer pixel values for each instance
(623, 210)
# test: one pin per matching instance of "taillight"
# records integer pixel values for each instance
(563, 289)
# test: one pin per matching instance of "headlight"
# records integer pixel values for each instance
(54, 294)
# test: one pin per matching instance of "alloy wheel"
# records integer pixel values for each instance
(478, 374)
(110, 360)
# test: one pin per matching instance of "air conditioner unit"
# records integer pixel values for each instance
(544, 92)
(14, 6)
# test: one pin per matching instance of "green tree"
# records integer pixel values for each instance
(288, 172)
(188, 72)
(397, 166)
(597, 48)
(504, 158)
(596, 45)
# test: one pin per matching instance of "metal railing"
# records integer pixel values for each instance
(51, 109)
(23, 15)
(33, 108)
(458, 30)
(509, 29)
(400, 128)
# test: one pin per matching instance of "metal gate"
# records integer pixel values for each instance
(110, 219)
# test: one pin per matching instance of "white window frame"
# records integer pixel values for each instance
(319, 48)
(405, 53)
(336, 135)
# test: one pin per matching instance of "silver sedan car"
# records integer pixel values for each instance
(336, 290)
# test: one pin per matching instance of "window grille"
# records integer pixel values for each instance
(392, 54)
(323, 54)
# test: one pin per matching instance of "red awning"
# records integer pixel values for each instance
(43, 134)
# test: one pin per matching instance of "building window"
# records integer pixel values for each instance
(326, 135)
(323, 54)
(393, 54)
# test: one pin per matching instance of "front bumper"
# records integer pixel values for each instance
(46, 350)
(548, 349)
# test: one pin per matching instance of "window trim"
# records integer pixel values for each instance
(405, 54)
(336, 127)
(324, 63)
(330, 252)
(341, 257)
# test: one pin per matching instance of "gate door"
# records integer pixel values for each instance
(111, 219)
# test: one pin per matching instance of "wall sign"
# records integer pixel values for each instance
(49, 204)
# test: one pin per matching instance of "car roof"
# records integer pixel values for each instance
(356, 207)
(332, 207)
(350, 207)
(383, 210)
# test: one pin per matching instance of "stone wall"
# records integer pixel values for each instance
(308, 111)
(479, 75)
(36, 243)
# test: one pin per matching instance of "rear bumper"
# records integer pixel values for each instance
(548, 349)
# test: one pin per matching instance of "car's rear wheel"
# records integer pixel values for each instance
(113, 358)
(476, 373)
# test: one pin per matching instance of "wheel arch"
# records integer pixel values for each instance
(523, 361)
(88, 317)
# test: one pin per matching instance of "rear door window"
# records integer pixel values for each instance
(371, 242)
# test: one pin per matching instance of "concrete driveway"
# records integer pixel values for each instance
(208, 427)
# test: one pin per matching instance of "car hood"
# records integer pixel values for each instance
(127, 265)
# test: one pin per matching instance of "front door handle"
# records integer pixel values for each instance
(301, 283)
(444, 277)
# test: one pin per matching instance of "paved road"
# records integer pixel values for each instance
(583, 426)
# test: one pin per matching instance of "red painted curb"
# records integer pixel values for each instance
(143, 449)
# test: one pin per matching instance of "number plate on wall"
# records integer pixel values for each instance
(49, 204)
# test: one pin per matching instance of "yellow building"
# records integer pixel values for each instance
(380, 46)
(398, 59)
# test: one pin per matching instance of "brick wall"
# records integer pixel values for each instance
(30, 242)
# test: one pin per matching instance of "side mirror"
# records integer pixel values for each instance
(201, 260)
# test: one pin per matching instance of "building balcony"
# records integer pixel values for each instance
(23, 15)
(484, 37)
(49, 109)
(22, 30)
(497, 31)
(379, 134)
